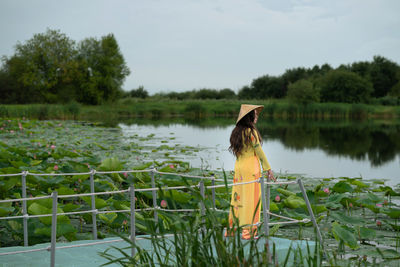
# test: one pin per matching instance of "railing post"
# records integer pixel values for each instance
(213, 191)
(310, 211)
(202, 205)
(133, 230)
(93, 204)
(265, 208)
(154, 192)
(24, 208)
(203, 196)
(53, 229)
(268, 198)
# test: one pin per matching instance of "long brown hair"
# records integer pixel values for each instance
(241, 131)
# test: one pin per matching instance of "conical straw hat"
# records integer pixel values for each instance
(246, 108)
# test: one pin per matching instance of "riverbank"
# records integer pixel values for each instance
(162, 108)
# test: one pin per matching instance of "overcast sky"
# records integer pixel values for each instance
(179, 45)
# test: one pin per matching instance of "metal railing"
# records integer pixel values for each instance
(132, 190)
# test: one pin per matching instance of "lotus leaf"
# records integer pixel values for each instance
(366, 233)
(393, 213)
(99, 203)
(285, 192)
(108, 218)
(6, 209)
(342, 234)
(342, 187)
(293, 202)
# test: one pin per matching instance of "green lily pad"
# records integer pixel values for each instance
(344, 235)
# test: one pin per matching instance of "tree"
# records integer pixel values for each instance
(226, 93)
(140, 92)
(383, 75)
(247, 93)
(395, 91)
(344, 86)
(105, 69)
(303, 92)
(37, 66)
(268, 87)
(362, 68)
(50, 68)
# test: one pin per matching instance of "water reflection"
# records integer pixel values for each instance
(377, 142)
(368, 149)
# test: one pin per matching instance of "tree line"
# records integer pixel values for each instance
(359, 82)
(52, 68)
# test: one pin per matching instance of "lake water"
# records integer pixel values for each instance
(370, 150)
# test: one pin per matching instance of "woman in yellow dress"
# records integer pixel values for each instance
(246, 143)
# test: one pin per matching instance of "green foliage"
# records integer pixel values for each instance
(383, 75)
(51, 68)
(344, 235)
(204, 93)
(104, 70)
(344, 86)
(264, 87)
(140, 92)
(303, 92)
(39, 66)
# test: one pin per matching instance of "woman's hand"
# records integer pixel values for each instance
(270, 175)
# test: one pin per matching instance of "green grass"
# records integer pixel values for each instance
(197, 109)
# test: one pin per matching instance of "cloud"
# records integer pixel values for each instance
(181, 44)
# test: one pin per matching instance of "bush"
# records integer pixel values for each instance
(43, 113)
(73, 108)
(139, 93)
(345, 86)
(195, 109)
(303, 92)
(3, 112)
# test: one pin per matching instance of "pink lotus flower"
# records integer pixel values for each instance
(11, 131)
(277, 198)
(125, 174)
(163, 203)
(2, 128)
(53, 147)
(351, 205)
(378, 223)
(56, 167)
(59, 124)
(49, 153)
(379, 205)
(171, 166)
(326, 190)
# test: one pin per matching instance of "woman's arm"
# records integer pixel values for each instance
(259, 152)
(261, 156)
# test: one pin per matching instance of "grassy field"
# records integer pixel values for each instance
(196, 109)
